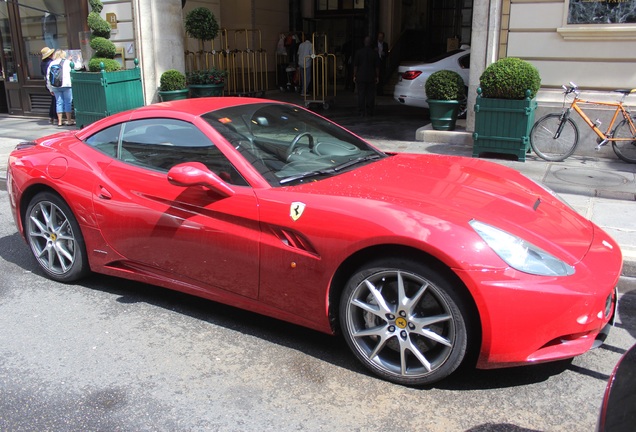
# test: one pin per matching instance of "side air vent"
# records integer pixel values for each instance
(293, 239)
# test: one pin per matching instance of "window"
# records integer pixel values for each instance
(106, 141)
(602, 12)
(161, 143)
(599, 20)
(464, 62)
(42, 24)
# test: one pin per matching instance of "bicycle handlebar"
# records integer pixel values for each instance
(572, 88)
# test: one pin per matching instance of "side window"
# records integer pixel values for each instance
(106, 140)
(464, 62)
(162, 143)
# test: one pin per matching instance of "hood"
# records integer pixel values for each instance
(458, 190)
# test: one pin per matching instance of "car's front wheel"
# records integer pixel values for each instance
(405, 322)
(55, 238)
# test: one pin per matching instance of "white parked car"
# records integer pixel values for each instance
(410, 88)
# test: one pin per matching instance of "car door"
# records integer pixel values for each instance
(191, 234)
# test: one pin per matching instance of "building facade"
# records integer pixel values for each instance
(588, 42)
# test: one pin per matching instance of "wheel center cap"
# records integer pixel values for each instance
(53, 237)
(400, 322)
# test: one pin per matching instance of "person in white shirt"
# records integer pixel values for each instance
(305, 50)
(64, 94)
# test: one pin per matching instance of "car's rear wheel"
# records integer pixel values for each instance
(55, 238)
(405, 322)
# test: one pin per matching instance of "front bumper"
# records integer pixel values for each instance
(532, 319)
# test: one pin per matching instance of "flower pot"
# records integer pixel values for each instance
(443, 113)
(206, 90)
(503, 126)
(170, 95)
(99, 94)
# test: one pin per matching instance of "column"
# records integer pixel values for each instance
(159, 34)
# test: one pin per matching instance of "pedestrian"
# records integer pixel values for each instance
(47, 58)
(383, 51)
(347, 53)
(366, 73)
(64, 93)
(305, 51)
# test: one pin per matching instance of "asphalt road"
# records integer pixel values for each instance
(112, 355)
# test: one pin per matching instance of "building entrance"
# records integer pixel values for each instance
(26, 27)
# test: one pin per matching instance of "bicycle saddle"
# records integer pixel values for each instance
(625, 91)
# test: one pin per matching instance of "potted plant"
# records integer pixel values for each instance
(104, 89)
(444, 91)
(172, 86)
(200, 23)
(505, 107)
(204, 83)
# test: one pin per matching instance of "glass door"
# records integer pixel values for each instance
(8, 70)
(42, 24)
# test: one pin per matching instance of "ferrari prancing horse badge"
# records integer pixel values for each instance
(296, 210)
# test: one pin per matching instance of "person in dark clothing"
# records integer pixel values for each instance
(347, 53)
(47, 57)
(382, 49)
(366, 74)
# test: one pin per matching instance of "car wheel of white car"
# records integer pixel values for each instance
(405, 322)
(55, 238)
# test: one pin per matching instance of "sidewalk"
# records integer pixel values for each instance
(603, 189)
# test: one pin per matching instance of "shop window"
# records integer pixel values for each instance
(42, 23)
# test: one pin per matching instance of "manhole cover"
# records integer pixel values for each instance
(590, 177)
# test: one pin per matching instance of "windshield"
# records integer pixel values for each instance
(290, 145)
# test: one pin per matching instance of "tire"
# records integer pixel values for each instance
(414, 336)
(546, 146)
(625, 150)
(55, 238)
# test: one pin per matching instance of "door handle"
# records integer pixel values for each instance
(103, 193)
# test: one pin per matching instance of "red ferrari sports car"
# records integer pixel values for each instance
(422, 262)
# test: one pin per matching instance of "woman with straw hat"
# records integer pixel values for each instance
(47, 57)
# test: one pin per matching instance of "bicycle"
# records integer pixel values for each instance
(555, 136)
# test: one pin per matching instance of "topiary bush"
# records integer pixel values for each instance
(96, 5)
(509, 78)
(110, 65)
(445, 85)
(98, 25)
(200, 23)
(103, 47)
(172, 80)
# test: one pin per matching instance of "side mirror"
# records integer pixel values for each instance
(196, 174)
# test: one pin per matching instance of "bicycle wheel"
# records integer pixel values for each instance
(546, 146)
(626, 150)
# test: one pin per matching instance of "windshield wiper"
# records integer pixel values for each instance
(307, 175)
(332, 170)
(356, 161)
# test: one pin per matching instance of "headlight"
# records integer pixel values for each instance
(519, 254)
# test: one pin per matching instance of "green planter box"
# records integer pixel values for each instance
(206, 90)
(443, 114)
(503, 126)
(97, 95)
(172, 95)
